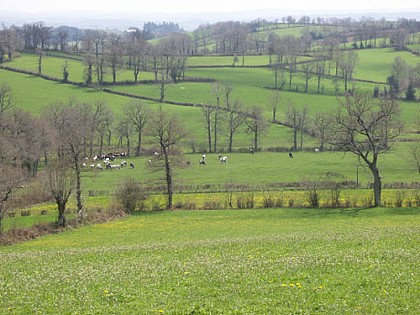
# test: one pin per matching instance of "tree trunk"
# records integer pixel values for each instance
(138, 145)
(209, 131)
(230, 141)
(168, 177)
(78, 186)
(215, 125)
(377, 185)
(256, 140)
(61, 213)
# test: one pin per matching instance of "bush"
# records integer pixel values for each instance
(129, 194)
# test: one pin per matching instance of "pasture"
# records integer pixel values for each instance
(273, 261)
(281, 259)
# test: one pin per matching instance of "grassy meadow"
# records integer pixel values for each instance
(276, 261)
(282, 257)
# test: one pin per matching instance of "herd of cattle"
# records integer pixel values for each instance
(107, 161)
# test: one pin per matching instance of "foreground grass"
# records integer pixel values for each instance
(280, 261)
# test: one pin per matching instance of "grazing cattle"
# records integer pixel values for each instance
(251, 151)
(149, 162)
(131, 165)
(223, 159)
(113, 166)
(92, 165)
(157, 154)
(291, 155)
(123, 163)
(99, 166)
(316, 150)
(204, 157)
(84, 164)
(202, 162)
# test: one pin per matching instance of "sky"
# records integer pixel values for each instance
(191, 6)
(124, 13)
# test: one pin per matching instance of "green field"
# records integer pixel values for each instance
(243, 236)
(278, 261)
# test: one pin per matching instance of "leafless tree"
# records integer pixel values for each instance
(167, 131)
(303, 120)
(11, 177)
(207, 111)
(138, 51)
(115, 53)
(235, 119)
(124, 130)
(322, 123)
(307, 69)
(292, 119)
(10, 41)
(40, 53)
(71, 132)
(6, 99)
(139, 115)
(12, 173)
(366, 127)
(60, 181)
(275, 101)
(217, 91)
(346, 64)
(63, 37)
(256, 123)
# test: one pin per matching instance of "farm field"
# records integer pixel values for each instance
(288, 229)
(283, 261)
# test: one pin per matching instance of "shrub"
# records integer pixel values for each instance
(399, 198)
(211, 205)
(245, 202)
(129, 194)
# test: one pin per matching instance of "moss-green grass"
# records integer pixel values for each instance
(221, 262)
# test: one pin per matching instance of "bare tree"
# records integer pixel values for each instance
(124, 130)
(303, 120)
(60, 181)
(365, 126)
(275, 101)
(235, 119)
(138, 50)
(307, 69)
(11, 177)
(256, 124)
(346, 64)
(217, 91)
(207, 111)
(139, 115)
(6, 99)
(168, 131)
(292, 119)
(322, 123)
(115, 53)
(71, 132)
(40, 53)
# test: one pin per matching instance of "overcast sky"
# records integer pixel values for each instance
(120, 14)
(188, 6)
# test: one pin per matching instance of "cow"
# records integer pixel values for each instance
(202, 162)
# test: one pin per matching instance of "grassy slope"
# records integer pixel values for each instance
(230, 262)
